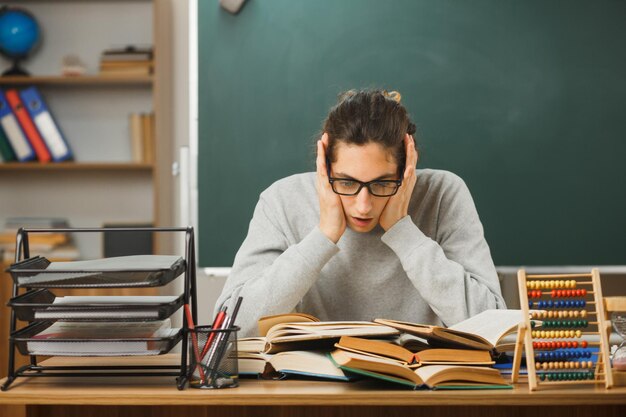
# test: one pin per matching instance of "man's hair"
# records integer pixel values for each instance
(369, 116)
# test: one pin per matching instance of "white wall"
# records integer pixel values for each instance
(184, 109)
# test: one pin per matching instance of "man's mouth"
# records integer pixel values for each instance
(362, 221)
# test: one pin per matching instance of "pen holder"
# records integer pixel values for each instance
(213, 357)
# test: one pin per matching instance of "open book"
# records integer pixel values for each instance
(431, 376)
(267, 322)
(306, 334)
(484, 331)
(390, 351)
(320, 335)
(298, 363)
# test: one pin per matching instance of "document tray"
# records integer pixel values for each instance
(39, 305)
(39, 272)
(28, 344)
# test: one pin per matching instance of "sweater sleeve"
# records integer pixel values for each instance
(454, 274)
(271, 275)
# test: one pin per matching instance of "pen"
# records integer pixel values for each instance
(194, 340)
(219, 319)
(222, 342)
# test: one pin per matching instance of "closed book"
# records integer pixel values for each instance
(14, 133)
(29, 128)
(6, 151)
(127, 53)
(126, 71)
(126, 64)
(147, 133)
(136, 138)
(47, 126)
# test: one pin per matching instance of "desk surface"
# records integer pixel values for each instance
(162, 391)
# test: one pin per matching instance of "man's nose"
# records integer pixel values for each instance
(364, 201)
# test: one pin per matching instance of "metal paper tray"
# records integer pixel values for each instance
(32, 273)
(38, 305)
(28, 344)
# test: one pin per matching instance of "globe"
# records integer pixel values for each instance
(19, 35)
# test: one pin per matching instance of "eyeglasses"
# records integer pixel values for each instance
(349, 186)
(378, 188)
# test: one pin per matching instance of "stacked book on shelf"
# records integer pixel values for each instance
(28, 132)
(55, 246)
(127, 61)
(142, 139)
(408, 354)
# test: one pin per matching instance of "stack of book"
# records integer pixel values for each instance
(128, 61)
(409, 354)
(142, 138)
(56, 246)
(28, 132)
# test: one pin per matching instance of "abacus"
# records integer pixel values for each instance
(559, 311)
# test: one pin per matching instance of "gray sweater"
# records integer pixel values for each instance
(432, 267)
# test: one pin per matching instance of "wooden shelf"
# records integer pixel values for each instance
(76, 166)
(79, 80)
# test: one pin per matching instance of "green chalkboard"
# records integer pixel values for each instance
(525, 100)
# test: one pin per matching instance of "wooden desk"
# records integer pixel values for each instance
(159, 397)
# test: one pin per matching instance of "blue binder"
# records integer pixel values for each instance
(47, 126)
(14, 133)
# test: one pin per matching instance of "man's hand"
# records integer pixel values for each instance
(332, 216)
(398, 205)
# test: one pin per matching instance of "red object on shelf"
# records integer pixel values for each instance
(27, 125)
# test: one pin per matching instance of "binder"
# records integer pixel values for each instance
(47, 126)
(20, 145)
(29, 128)
(6, 151)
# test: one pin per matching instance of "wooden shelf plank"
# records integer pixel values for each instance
(79, 80)
(76, 166)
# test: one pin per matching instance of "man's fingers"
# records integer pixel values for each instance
(320, 161)
(411, 156)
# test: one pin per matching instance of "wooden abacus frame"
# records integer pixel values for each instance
(602, 372)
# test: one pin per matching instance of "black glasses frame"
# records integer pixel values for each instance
(362, 184)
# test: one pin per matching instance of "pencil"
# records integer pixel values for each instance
(194, 341)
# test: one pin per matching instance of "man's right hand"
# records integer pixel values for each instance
(332, 216)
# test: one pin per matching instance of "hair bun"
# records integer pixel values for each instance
(394, 95)
(347, 94)
(411, 129)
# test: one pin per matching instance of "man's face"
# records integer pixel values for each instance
(364, 163)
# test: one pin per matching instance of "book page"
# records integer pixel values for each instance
(491, 324)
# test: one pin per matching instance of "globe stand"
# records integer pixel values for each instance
(16, 70)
